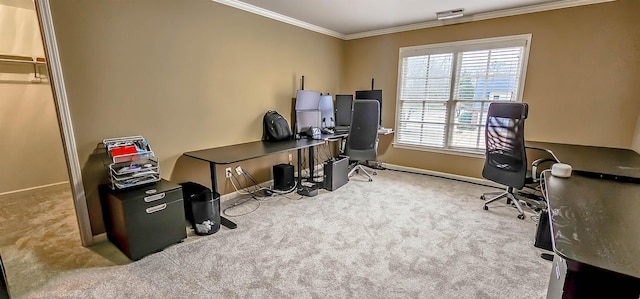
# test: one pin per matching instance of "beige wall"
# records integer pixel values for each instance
(186, 75)
(636, 139)
(196, 74)
(30, 142)
(581, 83)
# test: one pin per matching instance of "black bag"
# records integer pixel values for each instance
(275, 127)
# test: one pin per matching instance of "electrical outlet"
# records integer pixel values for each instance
(227, 172)
(239, 170)
(290, 158)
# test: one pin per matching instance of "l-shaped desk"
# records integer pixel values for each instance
(595, 223)
(250, 150)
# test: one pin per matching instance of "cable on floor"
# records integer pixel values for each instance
(253, 195)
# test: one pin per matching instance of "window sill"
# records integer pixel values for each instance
(439, 151)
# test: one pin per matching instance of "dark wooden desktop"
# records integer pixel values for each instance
(595, 223)
(250, 150)
(596, 161)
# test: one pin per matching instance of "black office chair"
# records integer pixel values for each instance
(506, 157)
(362, 142)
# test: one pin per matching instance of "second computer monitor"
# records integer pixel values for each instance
(373, 94)
(326, 109)
(344, 104)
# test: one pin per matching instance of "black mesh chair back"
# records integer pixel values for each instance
(363, 132)
(506, 158)
(362, 142)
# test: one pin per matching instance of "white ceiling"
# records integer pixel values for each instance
(349, 19)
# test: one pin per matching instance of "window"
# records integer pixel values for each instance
(444, 90)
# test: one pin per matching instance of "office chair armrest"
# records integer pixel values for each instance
(555, 158)
(536, 163)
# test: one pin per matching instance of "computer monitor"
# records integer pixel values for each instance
(326, 110)
(307, 100)
(344, 106)
(373, 94)
(306, 119)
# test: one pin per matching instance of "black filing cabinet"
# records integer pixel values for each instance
(146, 219)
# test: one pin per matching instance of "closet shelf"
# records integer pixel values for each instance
(35, 61)
(22, 59)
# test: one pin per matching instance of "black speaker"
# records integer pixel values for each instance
(283, 177)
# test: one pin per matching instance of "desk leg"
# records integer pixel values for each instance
(299, 180)
(312, 163)
(214, 187)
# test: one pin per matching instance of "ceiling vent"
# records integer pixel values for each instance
(450, 14)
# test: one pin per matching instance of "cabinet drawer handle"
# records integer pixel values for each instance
(154, 197)
(156, 208)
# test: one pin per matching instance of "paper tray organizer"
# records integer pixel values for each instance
(132, 162)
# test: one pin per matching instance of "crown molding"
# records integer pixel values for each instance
(278, 17)
(476, 17)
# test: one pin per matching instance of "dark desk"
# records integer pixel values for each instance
(245, 151)
(596, 161)
(594, 224)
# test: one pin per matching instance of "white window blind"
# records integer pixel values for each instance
(444, 90)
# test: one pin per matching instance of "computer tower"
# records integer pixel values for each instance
(283, 177)
(336, 173)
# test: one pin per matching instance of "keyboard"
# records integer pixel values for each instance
(341, 129)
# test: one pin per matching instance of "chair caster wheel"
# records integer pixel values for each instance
(370, 180)
(485, 208)
(375, 173)
(482, 197)
(521, 216)
(546, 256)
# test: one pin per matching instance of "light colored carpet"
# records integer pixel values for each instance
(401, 236)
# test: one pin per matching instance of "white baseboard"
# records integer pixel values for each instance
(36, 189)
(478, 181)
(236, 194)
(443, 175)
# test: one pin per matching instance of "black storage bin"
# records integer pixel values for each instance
(201, 208)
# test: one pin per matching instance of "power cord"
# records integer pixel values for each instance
(253, 195)
(238, 203)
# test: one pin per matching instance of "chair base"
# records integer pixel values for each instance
(510, 199)
(359, 167)
(510, 194)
